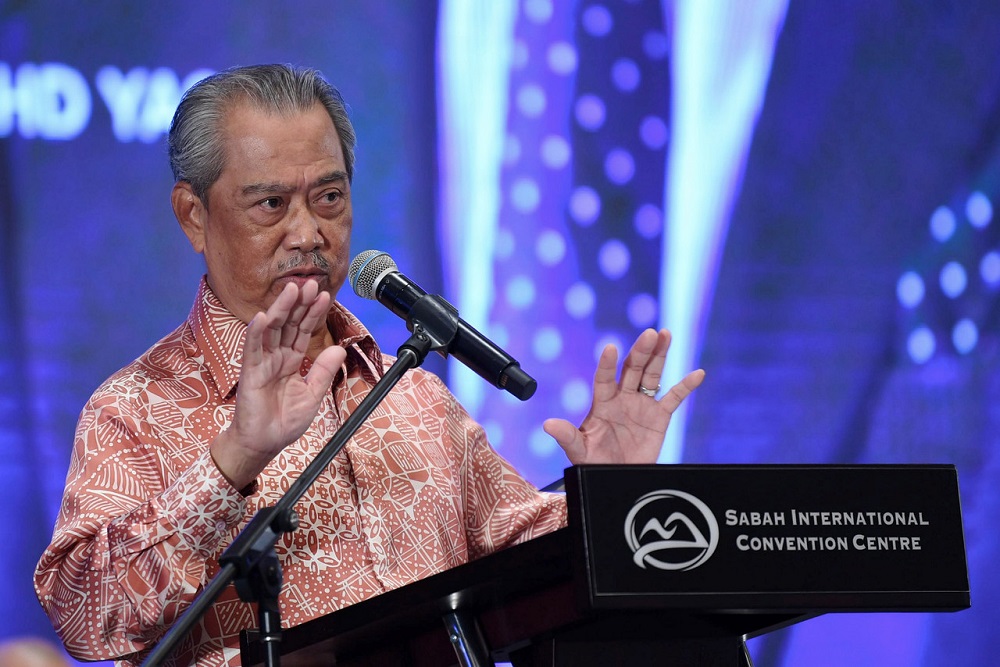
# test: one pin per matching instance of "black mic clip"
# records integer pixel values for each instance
(434, 322)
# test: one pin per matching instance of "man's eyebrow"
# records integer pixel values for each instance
(255, 189)
(332, 177)
(266, 189)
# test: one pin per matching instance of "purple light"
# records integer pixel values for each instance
(575, 395)
(504, 245)
(979, 210)
(655, 45)
(550, 248)
(500, 334)
(942, 223)
(531, 100)
(910, 289)
(580, 300)
(590, 112)
(520, 292)
(614, 259)
(619, 166)
(625, 74)
(643, 311)
(547, 344)
(541, 443)
(920, 345)
(511, 150)
(562, 58)
(653, 132)
(555, 151)
(525, 195)
(989, 268)
(539, 11)
(964, 336)
(597, 20)
(584, 205)
(953, 279)
(648, 221)
(520, 56)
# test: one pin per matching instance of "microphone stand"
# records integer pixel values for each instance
(251, 561)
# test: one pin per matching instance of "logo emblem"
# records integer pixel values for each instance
(677, 542)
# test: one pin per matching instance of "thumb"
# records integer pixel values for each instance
(568, 436)
(324, 369)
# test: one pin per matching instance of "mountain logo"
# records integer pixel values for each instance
(671, 530)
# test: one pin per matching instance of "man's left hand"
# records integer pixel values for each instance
(626, 423)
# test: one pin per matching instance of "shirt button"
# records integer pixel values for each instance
(220, 526)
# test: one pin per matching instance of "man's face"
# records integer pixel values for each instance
(280, 211)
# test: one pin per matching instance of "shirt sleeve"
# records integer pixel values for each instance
(133, 537)
(502, 507)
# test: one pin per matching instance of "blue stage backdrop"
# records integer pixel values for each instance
(816, 180)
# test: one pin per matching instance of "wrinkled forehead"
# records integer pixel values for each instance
(249, 124)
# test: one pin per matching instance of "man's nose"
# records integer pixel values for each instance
(303, 230)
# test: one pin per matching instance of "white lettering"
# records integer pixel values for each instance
(142, 103)
(886, 543)
(161, 101)
(51, 101)
(121, 94)
(809, 543)
(811, 518)
(734, 518)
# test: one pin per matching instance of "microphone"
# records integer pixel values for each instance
(374, 275)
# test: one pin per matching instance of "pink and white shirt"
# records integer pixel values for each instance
(146, 513)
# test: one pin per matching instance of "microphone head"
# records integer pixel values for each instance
(368, 269)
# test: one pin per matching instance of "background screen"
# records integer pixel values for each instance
(803, 193)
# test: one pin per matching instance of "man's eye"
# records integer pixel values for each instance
(271, 203)
(330, 197)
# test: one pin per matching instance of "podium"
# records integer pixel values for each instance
(670, 564)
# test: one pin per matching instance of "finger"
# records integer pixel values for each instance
(277, 315)
(567, 436)
(313, 318)
(653, 371)
(252, 352)
(635, 363)
(324, 369)
(682, 390)
(292, 330)
(605, 387)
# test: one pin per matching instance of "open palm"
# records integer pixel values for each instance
(624, 424)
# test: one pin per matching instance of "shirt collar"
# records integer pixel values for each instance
(220, 336)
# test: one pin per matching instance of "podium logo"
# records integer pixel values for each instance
(671, 530)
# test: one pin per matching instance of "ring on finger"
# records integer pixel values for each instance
(649, 392)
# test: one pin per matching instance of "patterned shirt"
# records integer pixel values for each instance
(146, 513)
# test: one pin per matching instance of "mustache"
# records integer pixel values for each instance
(311, 258)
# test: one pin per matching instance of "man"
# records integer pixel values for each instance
(177, 451)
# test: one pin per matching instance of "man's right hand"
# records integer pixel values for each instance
(274, 403)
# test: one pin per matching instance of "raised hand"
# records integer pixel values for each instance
(274, 403)
(626, 423)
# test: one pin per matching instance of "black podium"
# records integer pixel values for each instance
(673, 564)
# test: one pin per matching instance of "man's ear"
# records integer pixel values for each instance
(191, 213)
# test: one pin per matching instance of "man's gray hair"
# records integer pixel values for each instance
(197, 155)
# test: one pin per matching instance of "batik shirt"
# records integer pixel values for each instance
(146, 513)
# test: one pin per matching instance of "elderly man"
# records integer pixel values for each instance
(177, 451)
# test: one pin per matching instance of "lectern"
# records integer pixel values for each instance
(670, 564)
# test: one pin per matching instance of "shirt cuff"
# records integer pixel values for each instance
(203, 506)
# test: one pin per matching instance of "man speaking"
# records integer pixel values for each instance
(177, 451)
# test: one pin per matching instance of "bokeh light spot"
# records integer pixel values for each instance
(614, 259)
(910, 289)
